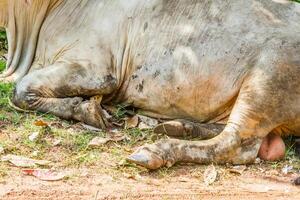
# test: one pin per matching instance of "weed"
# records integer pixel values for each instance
(5, 90)
(3, 40)
(120, 111)
(2, 65)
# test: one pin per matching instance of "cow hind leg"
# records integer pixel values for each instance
(226, 147)
(185, 128)
(272, 146)
(69, 91)
(257, 111)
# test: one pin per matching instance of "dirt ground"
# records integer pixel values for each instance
(181, 183)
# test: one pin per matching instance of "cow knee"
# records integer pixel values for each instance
(23, 96)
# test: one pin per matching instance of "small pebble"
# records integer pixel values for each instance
(34, 136)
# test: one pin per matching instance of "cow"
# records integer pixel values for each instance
(226, 71)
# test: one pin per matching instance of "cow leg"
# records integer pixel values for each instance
(184, 128)
(230, 146)
(257, 111)
(61, 89)
(168, 152)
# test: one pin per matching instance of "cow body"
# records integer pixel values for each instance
(231, 62)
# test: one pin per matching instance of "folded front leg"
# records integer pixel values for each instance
(69, 91)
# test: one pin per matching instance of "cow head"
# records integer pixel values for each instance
(23, 20)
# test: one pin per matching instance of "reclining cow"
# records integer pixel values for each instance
(199, 63)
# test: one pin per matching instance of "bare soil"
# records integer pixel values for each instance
(182, 182)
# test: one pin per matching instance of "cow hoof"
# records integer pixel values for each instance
(170, 128)
(91, 113)
(150, 157)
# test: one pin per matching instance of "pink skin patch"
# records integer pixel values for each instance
(272, 148)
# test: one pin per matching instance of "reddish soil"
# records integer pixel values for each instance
(180, 185)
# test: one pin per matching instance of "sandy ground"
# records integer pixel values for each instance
(180, 185)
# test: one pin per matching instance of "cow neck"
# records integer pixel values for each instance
(24, 24)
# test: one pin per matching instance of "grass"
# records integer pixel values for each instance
(2, 65)
(72, 149)
(3, 41)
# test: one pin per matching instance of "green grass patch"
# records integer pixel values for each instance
(2, 65)
(5, 91)
(3, 40)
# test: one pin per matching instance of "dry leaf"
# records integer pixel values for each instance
(210, 175)
(45, 174)
(21, 161)
(118, 138)
(34, 136)
(90, 128)
(133, 176)
(238, 169)
(132, 122)
(40, 123)
(184, 179)
(57, 125)
(98, 141)
(154, 182)
(56, 142)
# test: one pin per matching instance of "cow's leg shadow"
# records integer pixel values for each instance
(69, 91)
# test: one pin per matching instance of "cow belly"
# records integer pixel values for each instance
(182, 95)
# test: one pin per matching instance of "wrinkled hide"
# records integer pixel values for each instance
(23, 20)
